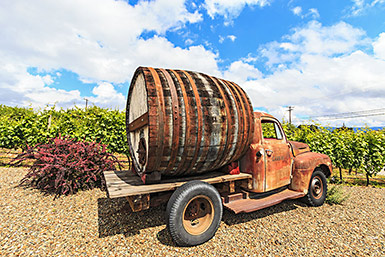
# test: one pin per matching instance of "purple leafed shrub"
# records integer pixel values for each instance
(64, 166)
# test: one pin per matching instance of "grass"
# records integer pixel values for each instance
(356, 179)
(336, 195)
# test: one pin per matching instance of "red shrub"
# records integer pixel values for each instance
(64, 166)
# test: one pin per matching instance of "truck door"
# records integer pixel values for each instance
(277, 155)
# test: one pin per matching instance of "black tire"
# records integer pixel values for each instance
(317, 190)
(194, 213)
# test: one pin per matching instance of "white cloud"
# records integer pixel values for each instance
(297, 10)
(39, 97)
(240, 72)
(231, 37)
(379, 46)
(323, 73)
(97, 39)
(47, 79)
(313, 12)
(18, 87)
(159, 52)
(229, 8)
(188, 41)
(107, 96)
(360, 6)
(314, 38)
(337, 39)
(93, 38)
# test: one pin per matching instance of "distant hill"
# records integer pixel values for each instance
(372, 128)
(377, 128)
(361, 128)
(355, 129)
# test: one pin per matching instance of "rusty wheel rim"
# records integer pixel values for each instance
(198, 215)
(317, 187)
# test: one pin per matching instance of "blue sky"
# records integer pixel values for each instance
(322, 57)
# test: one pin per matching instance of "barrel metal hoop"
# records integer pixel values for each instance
(233, 123)
(187, 120)
(240, 119)
(244, 118)
(139, 70)
(224, 145)
(249, 118)
(175, 118)
(200, 118)
(161, 113)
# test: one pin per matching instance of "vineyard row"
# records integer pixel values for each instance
(363, 149)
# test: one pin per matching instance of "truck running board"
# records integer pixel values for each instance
(250, 205)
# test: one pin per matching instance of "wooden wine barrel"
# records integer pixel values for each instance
(183, 123)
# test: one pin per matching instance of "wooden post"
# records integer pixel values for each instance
(49, 121)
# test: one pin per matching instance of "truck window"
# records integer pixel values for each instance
(271, 130)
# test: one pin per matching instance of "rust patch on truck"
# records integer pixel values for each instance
(298, 148)
(253, 161)
(303, 167)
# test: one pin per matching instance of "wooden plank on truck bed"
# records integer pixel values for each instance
(122, 183)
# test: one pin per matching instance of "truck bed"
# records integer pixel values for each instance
(121, 183)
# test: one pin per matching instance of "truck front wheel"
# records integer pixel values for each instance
(194, 213)
(317, 191)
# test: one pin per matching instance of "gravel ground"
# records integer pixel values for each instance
(89, 224)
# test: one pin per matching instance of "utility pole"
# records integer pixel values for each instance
(86, 102)
(290, 108)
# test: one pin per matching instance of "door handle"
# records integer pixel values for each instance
(269, 152)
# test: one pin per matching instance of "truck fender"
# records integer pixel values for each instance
(303, 167)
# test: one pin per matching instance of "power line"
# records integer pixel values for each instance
(350, 115)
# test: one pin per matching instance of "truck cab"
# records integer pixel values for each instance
(275, 162)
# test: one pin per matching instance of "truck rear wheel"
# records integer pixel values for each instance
(194, 213)
(317, 191)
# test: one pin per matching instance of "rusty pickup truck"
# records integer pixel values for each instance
(198, 147)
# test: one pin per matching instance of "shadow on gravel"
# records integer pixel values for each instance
(230, 218)
(115, 217)
(165, 238)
